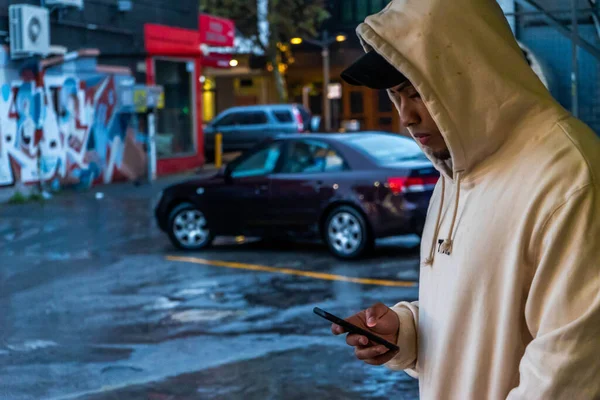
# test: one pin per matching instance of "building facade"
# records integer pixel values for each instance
(63, 116)
(547, 47)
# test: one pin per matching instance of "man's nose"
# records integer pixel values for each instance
(408, 115)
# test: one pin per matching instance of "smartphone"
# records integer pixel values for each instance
(354, 329)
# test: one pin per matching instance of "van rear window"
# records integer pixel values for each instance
(283, 116)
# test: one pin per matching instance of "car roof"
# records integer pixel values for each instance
(262, 107)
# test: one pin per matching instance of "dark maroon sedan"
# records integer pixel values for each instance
(347, 189)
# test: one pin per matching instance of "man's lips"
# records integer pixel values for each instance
(423, 138)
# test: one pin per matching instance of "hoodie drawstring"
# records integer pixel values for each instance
(429, 260)
(446, 246)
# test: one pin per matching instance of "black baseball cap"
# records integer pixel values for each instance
(373, 71)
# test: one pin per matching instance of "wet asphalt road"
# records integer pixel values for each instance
(91, 308)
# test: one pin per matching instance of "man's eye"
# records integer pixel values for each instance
(415, 96)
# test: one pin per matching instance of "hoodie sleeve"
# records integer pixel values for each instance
(406, 359)
(562, 310)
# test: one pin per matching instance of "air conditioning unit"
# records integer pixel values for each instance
(65, 3)
(29, 30)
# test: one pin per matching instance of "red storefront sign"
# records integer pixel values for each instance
(217, 60)
(178, 44)
(167, 40)
(215, 31)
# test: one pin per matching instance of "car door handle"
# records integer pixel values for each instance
(318, 184)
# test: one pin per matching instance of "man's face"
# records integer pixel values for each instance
(416, 118)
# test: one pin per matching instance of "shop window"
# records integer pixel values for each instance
(175, 122)
(316, 104)
(356, 103)
(385, 123)
(385, 103)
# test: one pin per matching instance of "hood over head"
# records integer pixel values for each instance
(463, 59)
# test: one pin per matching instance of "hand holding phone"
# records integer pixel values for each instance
(354, 329)
(377, 325)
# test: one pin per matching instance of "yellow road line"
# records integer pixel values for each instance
(288, 271)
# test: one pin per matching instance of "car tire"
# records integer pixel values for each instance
(188, 228)
(347, 233)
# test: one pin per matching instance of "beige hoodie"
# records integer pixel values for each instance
(509, 302)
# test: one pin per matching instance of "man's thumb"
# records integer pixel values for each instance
(374, 313)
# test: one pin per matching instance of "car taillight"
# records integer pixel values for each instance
(411, 183)
(298, 120)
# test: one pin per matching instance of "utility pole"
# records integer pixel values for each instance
(324, 43)
(326, 102)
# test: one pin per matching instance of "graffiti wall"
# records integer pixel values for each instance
(61, 124)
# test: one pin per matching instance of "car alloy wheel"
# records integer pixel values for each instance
(346, 233)
(188, 228)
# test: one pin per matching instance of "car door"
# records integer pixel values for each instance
(230, 128)
(255, 127)
(244, 198)
(305, 183)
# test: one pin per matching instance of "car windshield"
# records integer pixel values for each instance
(388, 149)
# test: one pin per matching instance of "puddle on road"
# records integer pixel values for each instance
(162, 303)
(189, 293)
(32, 345)
(191, 316)
(67, 256)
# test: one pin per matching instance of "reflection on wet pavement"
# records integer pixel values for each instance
(92, 310)
(319, 372)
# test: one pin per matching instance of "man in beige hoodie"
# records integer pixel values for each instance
(509, 298)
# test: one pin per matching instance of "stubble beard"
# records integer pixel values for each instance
(443, 155)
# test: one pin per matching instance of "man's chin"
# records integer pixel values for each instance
(442, 154)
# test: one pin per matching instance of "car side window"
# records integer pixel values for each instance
(254, 118)
(262, 162)
(283, 116)
(308, 156)
(230, 119)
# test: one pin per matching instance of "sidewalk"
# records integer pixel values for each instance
(142, 189)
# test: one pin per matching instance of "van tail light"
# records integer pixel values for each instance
(299, 121)
(411, 183)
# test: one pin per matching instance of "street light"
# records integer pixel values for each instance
(324, 44)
